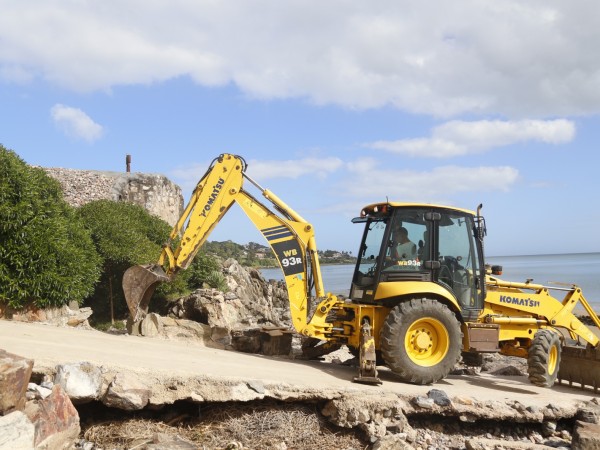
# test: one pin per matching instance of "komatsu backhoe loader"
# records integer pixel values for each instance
(421, 295)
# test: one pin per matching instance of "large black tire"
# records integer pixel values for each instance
(544, 358)
(421, 341)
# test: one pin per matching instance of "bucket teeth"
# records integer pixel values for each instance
(580, 365)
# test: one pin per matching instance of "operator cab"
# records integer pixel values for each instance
(405, 242)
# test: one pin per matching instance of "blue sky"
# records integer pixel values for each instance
(334, 105)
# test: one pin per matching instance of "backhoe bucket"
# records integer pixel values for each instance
(139, 283)
(580, 365)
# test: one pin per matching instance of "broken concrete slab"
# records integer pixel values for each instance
(127, 392)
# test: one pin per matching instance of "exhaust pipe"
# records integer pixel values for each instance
(139, 283)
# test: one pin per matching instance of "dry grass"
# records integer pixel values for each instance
(231, 427)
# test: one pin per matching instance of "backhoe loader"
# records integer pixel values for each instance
(421, 295)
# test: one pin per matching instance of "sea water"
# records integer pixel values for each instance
(561, 271)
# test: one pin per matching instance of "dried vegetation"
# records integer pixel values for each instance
(229, 426)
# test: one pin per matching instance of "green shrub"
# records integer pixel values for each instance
(217, 280)
(125, 235)
(47, 257)
(200, 270)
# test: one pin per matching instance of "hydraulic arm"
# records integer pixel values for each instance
(289, 235)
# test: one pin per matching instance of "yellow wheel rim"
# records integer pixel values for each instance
(552, 359)
(427, 342)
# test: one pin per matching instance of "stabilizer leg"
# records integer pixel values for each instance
(367, 359)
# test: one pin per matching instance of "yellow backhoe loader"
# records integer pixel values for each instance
(421, 295)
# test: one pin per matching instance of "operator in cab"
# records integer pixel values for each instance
(403, 248)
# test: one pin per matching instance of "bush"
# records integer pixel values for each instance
(47, 257)
(125, 235)
(202, 270)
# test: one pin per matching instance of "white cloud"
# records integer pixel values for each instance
(457, 138)
(75, 123)
(319, 167)
(262, 170)
(517, 59)
(377, 184)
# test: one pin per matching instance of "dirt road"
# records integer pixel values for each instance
(49, 346)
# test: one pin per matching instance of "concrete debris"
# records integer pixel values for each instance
(127, 392)
(81, 381)
(586, 436)
(589, 413)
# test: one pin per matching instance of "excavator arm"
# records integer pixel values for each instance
(289, 235)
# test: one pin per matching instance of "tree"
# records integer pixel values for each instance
(47, 257)
(125, 235)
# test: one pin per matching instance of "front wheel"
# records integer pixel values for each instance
(544, 358)
(421, 341)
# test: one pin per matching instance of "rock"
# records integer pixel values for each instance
(589, 413)
(424, 402)
(127, 392)
(548, 428)
(16, 431)
(247, 341)
(510, 371)
(586, 436)
(186, 329)
(439, 397)
(71, 315)
(81, 381)
(151, 325)
(38, 392)
(55, 419)
(15, 372)
(256, 386)
(221, 335)
(275, 341)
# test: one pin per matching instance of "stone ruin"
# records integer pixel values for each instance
(156, 193)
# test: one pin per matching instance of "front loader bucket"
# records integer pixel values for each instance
(580, 365)
(139, 283)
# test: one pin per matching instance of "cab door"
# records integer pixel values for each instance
(459, 259)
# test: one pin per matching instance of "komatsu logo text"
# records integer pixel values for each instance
(519, 301)
(213, 196)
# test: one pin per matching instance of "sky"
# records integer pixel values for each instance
(333, 104)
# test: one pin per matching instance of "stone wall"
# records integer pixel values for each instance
(156, 193)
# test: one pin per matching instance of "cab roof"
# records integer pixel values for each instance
(381, 206)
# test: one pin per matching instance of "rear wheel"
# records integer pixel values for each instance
(421, 341)
(544, 358)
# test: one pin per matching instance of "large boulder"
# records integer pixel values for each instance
(251, 302)
(55, 419)
(15, 372)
